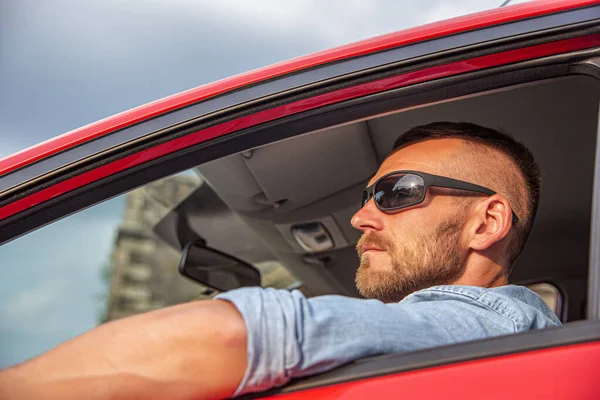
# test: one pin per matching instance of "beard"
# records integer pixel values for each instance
(430, 259)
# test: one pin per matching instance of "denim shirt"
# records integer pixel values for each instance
(291, 336)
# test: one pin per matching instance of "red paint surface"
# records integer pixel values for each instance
(393, 82)
(561, 373)
(401, 38)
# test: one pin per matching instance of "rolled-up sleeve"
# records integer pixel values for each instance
(291, 336)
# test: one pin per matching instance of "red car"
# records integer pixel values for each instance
(248, 162)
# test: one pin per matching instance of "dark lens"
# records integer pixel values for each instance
(365, 198)
(399, 190)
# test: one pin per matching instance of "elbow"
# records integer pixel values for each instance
(232, 329)
(206, 355)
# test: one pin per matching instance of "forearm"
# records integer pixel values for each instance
(196, 350)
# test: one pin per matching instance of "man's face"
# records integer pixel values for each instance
(417, 247)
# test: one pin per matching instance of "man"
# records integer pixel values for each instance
(443, 221)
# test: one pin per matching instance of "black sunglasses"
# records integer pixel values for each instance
(400, 189)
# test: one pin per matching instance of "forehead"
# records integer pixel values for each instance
(427, 156)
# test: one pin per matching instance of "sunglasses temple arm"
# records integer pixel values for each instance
(450, 183)
(440, 181)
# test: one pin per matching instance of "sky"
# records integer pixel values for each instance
(66, 63)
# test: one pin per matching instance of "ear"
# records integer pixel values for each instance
(491, 222)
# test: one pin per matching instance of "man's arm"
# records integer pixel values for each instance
(290, 336)
(195, 350)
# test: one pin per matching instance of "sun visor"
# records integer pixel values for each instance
(296, 172)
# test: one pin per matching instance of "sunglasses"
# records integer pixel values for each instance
(401, 189)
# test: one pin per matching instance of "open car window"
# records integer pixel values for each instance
(102, 264)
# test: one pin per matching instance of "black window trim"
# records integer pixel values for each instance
(593, 303)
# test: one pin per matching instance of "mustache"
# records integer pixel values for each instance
(372, 240)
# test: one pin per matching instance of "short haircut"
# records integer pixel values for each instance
(520, 184)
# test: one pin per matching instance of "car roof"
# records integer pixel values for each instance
(368, 46)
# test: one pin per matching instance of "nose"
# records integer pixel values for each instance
(368, 218)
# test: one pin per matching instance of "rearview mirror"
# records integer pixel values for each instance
(215, 269)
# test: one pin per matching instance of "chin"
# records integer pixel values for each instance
(378, 261)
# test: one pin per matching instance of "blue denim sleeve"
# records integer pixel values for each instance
(291, 336)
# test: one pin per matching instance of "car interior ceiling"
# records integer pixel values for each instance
(253, 198)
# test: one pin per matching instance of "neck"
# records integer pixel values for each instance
(483, 272)
(499, 279)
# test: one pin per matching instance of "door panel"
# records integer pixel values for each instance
(568, 372)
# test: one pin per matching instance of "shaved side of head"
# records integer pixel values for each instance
(491, 159)
(488, 167)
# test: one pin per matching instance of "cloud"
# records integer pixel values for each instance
(52, 274)
(331, 23)
(449, 9)
(334, 22)
(31, 309)
(51, 283)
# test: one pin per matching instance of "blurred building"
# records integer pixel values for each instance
(143, 270)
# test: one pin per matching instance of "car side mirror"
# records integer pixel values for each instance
(215, 269)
